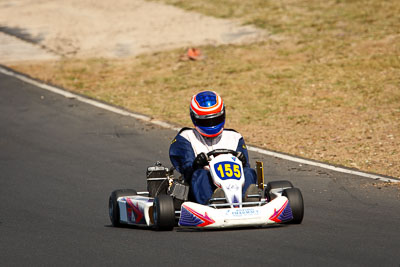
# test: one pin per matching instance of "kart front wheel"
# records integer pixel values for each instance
(164, 213)
(113, 207)
(296, 204)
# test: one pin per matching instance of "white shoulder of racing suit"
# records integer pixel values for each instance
(226, 140)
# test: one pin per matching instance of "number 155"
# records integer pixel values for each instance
(227, 170)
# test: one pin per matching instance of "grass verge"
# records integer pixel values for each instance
(327, 88)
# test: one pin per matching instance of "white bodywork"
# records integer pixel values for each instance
(136, 210)
(227, 173)
(196, 215)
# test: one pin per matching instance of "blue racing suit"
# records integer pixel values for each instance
(189, 143)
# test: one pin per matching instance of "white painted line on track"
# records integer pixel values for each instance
(172, 127)
(322, 165)
(74, 96)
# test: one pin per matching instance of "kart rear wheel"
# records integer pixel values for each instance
(274, 185)
(113, 207)
(296, 204)
(164, 213)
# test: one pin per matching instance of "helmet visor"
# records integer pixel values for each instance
(207, 121)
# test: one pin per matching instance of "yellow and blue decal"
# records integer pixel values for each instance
(228, 170)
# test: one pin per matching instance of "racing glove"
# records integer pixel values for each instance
(200, 161)
(242, 158)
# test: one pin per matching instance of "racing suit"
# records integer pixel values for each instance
(189, 143)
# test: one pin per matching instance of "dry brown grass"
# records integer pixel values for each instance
(327, 89)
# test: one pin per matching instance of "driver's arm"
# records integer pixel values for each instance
(182, 156)
(243, 148)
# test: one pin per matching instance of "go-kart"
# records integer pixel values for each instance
(167, 201)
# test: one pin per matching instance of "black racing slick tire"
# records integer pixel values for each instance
(296, 204)
(113, 207)
(274, 185)
(164, 213)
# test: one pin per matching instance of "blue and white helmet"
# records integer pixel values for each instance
(207, 111)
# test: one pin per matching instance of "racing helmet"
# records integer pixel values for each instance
(207, 112)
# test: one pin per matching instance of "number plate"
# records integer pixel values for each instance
(228, 170)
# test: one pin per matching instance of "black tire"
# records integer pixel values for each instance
(113, 207)
(296, 204)
(274, 185)
(164, 213)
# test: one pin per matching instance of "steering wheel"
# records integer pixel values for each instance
(202, 160)
(217, 152)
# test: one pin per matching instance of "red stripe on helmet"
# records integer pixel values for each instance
(207, 110)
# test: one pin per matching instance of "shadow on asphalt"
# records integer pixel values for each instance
(194, 230)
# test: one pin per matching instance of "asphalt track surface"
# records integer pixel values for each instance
(60, 159)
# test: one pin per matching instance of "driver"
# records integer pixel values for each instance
(189, 148)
